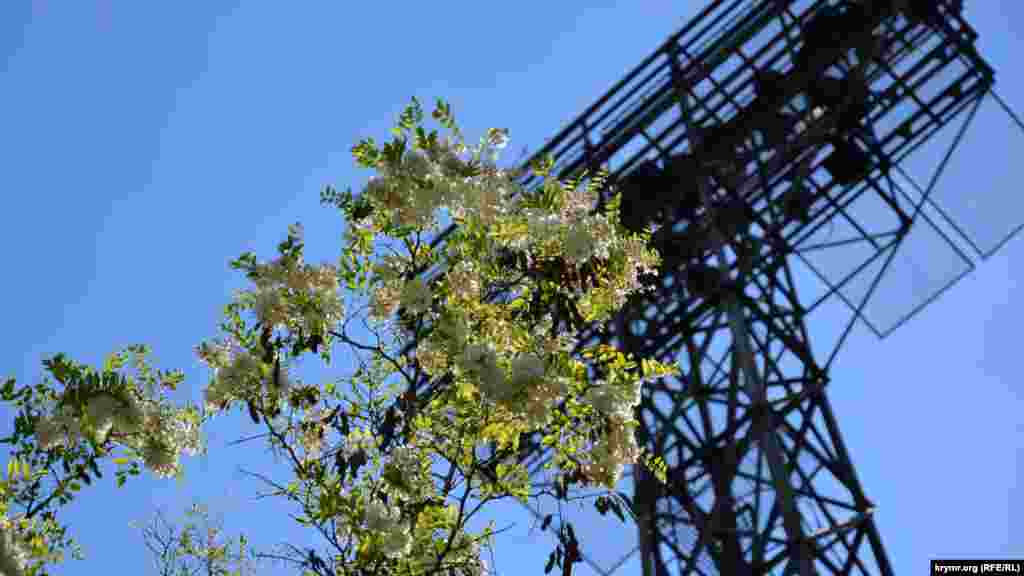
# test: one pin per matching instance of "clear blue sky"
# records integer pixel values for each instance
(144, 145)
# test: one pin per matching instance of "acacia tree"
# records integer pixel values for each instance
(388, 475)
(197, 549)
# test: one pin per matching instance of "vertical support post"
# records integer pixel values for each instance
(800, 547)
(769, 441)
(643, 483)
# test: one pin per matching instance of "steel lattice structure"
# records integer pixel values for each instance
(741, 138)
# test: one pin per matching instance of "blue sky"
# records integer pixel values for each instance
(145, 146)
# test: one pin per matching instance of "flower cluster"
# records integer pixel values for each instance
(465, 553)
(509, 375)
(295, 295)
(464, 281)
(164, 434)
(519, 371)
(527, 368)
(239, 375)
(386, 521)
(60, 429)
(614, 399)
(615, 404)
(14, 554)
(156, 432)
(481, 361)
(543, 395)
(414, 483)
(431, 358)
(385, 300)
(236, 374)
(311, 434)
(609, 455)
(394, 191)
(416, 297)
(482, 201)
(579, 244)
(23, 548)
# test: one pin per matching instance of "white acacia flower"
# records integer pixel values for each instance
(48, 433)
(128, 417)
(527, 368)
(397, 542)
(383, 302)
(463, 281)
(468, 551)
(493, 381)
(384, 192)
(454, 329)
(578, 202)
(432, 197)
(160, 459)
(416, 164)
(185, 432)
(542, 226)
(484, 202)
(238, 375)
(311, 434)
(606, 467)
(431, 357)
(12, 557)
(379, 517)
(389, 269)
(602, 398)
(215, 395)
(406, 460)
(476, 357)
(268, 307)
(482, 362)
(417, 213)
(579, 244)
(101, 410)
(416, 297)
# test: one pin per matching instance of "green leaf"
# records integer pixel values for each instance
(8, 388)
(394, 477)
(551, 563)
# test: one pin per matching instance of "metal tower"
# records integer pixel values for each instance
(747, 138)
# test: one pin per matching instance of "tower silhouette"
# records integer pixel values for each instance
(746, 139)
